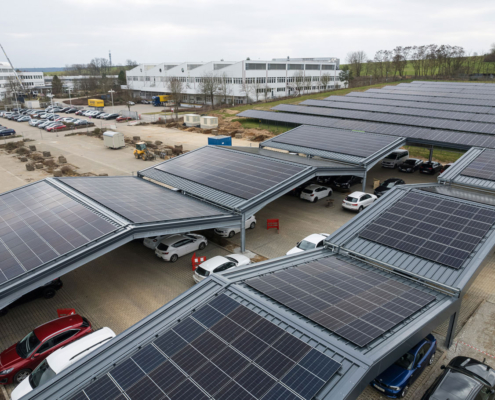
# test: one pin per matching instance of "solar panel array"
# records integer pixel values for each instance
(237, 173)
(336, 140)
(412, 133)
(463, 84)
(462, 126)
(488, 97)
(38, 224)
(418, 112)
(354, 303)
(443, 231)
(411, 104)
(391, 95)
(139, 200)
(482, 167)
(445, 89)
(223, 351)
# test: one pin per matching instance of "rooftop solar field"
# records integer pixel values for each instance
(482, 167)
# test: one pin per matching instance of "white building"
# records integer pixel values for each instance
(29, 80)
(239, 81)
(73, 81)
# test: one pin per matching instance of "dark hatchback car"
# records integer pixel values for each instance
(387, 185)
(7, 132)
(346, 181)
(463, 379)
(410, 165)
(46, 291)
(396, 380)
(430, 167)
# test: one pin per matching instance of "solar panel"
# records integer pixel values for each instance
(202, 364)
(139, 200)
(443, 89)
(337, 141)
(241, 174)
(354, 303)
(443, 231)
(482, 167)
(489, 97)
(38, 224)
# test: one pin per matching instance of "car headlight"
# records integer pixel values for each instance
(394, 387)
(6, 371)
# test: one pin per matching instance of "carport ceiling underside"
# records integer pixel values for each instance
(53, 226)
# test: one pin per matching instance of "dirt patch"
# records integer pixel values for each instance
(232, 112)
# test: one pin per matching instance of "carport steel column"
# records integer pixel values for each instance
(243, 233)
(364, 181)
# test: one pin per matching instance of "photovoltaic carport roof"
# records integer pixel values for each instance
(412, 93)
(467, 84)
(336, 144)
(400, 110)
(48, 228)
(444, 89)
(435, 123)
(358, 366)
(412, 134)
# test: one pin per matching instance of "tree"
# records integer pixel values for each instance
(130, 64)
(57, 86)
(325, 79)
(121, 79)
(356, 60)
(345, 75)
(298, 84)
(225, 87)
(175, 87)
(209, 86)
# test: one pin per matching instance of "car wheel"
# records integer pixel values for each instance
(253, 224)
(432, 359)
(360, 209)
(404, 391)
(49, 293)
(231, 234)
(315, 200)
(174, 258)
(202, 245)
(21, 375)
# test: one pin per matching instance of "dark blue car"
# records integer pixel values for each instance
(7, 132)
(398, 378)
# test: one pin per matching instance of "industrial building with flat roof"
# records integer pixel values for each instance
(8, 81)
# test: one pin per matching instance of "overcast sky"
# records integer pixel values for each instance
(53, 33)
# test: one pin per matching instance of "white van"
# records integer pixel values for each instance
(61, 359)
(394, 159)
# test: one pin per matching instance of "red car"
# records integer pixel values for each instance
(55, 128)
(17, 362)
(122, 118)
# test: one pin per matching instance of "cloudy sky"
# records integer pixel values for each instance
(54, 33)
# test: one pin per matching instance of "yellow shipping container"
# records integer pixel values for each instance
(95, 103)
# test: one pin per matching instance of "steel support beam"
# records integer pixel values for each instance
(243, 233)
(431, 154)
(364, 181)
(449, 339)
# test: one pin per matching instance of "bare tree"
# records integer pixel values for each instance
(209, 86)
(298, 84)
(356, 60)
(131, 64)
(247, 89)
(225, 87)
(325, 79)
(175, 87)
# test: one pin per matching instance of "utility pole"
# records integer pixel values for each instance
(70, 100)
(111, 91)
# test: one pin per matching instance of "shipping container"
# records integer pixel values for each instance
(96, 103)
(220, 141)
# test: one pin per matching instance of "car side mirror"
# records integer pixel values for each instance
(442, 367)
(36, 355)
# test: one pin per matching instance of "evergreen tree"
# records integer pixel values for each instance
(122, 78)
(56, 85)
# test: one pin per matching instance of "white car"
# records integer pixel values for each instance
(230, 232)
(175, 246)
(219, 264)
(314, 193)
(309, 243)
(131, 103)
(62, 359)
(153, 241)
(33, 122)
(358, 200)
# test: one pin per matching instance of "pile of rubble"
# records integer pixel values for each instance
(158, 148)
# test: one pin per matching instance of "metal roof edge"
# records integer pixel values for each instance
(455, 170)
(371, 160)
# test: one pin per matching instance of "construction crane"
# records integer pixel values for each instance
(15, 73)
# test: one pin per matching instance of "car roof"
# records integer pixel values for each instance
(57, 325)
(356, 194)
(66, 355)
(173, 238)
(313, 186)
(314, 238)
(212, 263)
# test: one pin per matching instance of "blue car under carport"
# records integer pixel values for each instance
(395, 381)
(7, 132)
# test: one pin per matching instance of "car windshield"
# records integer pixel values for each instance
(410, 162)
(392, 156)
(27, 345)
(389, 185)
(305, 245)
(231, 259)
(352, 199)
(202, 272)
(406, 361)
(42, 374)
(308, 191)
(162, 246)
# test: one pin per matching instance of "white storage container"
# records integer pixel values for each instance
(209, 122)
(114, 140)
(33, 104)
(191, 119)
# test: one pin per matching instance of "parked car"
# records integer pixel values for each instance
(80, 112)
(230, 232)
(39, 122)
(33, 122)
(219, 264)
(71, 111)
(175, 246)
(131, 103)
(145, 102)
(20, 359)
(62, 359)
(430, 167)
(298, 190)
(100, 116)
(65, 109)
(55, 128)
(68, 119)
(111, 116)
(396, 380)
(463, 379)
(46, 291)
(410, 165)
(153, 241)
(394, 159)
(346, 181)
(81, 122)
(357, 201)
(7, 132)
(387, 185)
(122, 118)
(313, 193)
(24, 118)
(446, 167)
(309, 243)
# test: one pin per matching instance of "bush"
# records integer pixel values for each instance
(67, 170)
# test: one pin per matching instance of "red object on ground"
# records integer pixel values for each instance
(196, 261)
(64, 312)
(272, 224)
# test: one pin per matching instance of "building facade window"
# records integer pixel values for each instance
(295, 66)
(271, 80)
(250, 80)
(281, 89)
(238, 81)
(257, 66)
(313, 66)
(281, 79)
(328, 67)
(277, 66)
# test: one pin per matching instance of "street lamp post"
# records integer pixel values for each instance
(70, 100)
(111, 91)
(51, 96)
